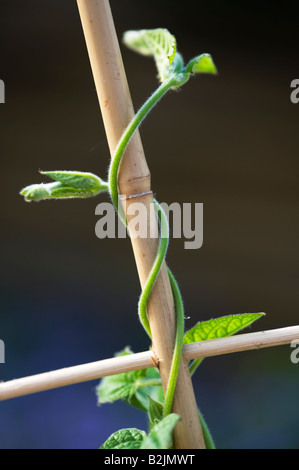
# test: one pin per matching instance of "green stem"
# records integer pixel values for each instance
(128, 133)
(179, 307)
(209, 441)
(164, 240)
(150, 383)
(193, 366)
(174, 80)
(177, 354)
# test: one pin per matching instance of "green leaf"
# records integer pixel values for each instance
(68, 184)
(130, 438)
(39, 192)
(61, 191)
(155, 410)
(75, 179)
(131, 387)
(220, 327)
(119, 386)
(160, 437)
(158, 43)
(36, 192)
(201, 64)
(140, 398)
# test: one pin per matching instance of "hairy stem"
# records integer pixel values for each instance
(177, 354)
(129, 131)
(164, 240)
(150, 383)
(209, 441)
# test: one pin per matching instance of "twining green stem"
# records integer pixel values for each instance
(129, 131)
(176, 358)
(174, 80)
(152, 277)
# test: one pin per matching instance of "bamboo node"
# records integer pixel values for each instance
(131, 196)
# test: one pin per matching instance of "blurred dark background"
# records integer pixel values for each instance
(228, 141)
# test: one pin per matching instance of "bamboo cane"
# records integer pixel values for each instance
(134, 184)
(118, 365)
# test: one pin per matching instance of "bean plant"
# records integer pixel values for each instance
(143, 389)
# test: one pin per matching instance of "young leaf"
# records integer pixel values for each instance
(130, 438)
(119, 386)
(75, 179)
(68, 184)
(150, 384)
(61, 191)
(220, 327)
(155, 410)
(131, 387)
(158, 43)
(160, 437)
(36, 192)
(201, 64)
(41, 192)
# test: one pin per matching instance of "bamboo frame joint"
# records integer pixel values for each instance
(155, 359)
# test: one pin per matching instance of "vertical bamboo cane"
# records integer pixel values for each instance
(134, 183)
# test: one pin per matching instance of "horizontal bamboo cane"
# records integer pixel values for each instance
(95, 370)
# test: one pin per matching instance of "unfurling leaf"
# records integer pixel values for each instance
(68, 184)
(155, 410)
(161, 45)
(36, 192)
(130, 438)
(158, 43)
(201, 64)
(119, 386)
(131, 387)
